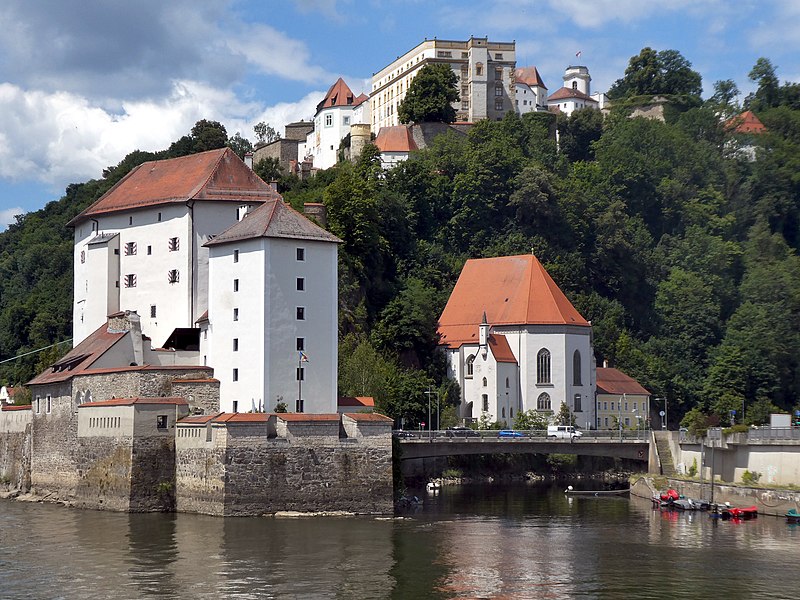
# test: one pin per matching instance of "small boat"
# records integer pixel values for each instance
(433, 486)
(726, 512)
(793, 516)
(749, 512)
(573, 492)
(669, 496)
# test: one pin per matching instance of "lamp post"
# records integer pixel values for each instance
(428, 393)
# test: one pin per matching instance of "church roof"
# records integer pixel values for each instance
(339, 94)
(747, 122)
(569, 94)
(217, 175)
(529, 76)
(501, 351)
(397, 138)
(273, 219)
(513, 290)
(613, 381)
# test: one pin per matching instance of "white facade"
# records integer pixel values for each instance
(530, 98)
(484, 69)
(259, 290)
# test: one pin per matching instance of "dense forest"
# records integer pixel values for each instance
(678, 239)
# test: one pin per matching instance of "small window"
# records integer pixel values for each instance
(161, 421)
(498, 73)
(300, 373)
(479, 69)
(498, 56)
(301, 254)
(470, 365)
(543, 402)
(298, 406)
(485, 400)
(301, 284)
(152, 311)
(235, 344)
(574, 85)
(498, 90)
(130, 248)
(159, 217)
(235, 375)
(484, 382)
(578, 403)
(236, 256)
(173, 276)
(507, 386)
(301, 313)
(130, 281)
(328, 120)
(83, 256)
(49, 403)
(345, 120)
(235, 285)
(38, 404)
(235, 314)
(130, 220)
(301, 344)
(498, 104)
(149, 250)
(174, 244)
(236, 406)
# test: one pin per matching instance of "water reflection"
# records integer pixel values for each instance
(475, 541)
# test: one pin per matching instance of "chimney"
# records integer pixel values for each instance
(605, 363)
(248, 159)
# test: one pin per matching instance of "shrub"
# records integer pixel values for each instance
(750, 477)
(692, 471)
(452, 473)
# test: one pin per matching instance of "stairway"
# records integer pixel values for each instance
(664, 453)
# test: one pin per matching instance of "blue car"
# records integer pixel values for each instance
(509, 433)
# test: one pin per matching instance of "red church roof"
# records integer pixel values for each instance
(529, 76)
(513, 290)
(217, 175)
(338, 95)
(747, 122)
(501, 351)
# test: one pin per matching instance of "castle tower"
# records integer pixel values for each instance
(578, 78)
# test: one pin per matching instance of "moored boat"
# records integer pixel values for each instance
(793, 516)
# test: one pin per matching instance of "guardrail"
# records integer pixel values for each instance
(477, 435)
(754, 435)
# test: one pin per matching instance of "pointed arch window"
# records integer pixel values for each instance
(543, 366)
(576, 368)
(470, 365)
(543, 402)
(484, 382)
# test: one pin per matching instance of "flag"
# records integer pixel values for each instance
(303, 357)
(578, 54)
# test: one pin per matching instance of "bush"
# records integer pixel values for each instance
(739, 428)
(692, 471)
(452, 474)
(750, 477)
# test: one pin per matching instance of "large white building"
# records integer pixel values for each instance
(531, 92)
(144, 247)
(514, 342)
(576, 93)
(485, 72)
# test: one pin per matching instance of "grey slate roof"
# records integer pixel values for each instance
(274, 219)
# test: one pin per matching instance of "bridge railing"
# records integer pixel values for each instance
(474, 435)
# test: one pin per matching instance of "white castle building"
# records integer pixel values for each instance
(514, 342)
(146, 246)
(576, 92)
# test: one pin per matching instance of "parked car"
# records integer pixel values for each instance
(461, 431)
(404, 434)
(509, 433)
(563, 432)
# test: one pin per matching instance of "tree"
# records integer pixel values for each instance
(430, 96)
(208, 135)
(269, 169)
(650, 73)
(767, 94)
(265, 134)
(723, 100)
(240, 145)
(530, 420)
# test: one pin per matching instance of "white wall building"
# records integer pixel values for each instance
(576, 93)
(531, 92)
(337, 111)
(271, 332)
(485, 72)
(514, 342)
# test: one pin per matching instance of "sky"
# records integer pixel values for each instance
(85, 82)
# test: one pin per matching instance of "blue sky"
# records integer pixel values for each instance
(84, 82)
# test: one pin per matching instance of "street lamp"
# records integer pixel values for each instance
(428, 393)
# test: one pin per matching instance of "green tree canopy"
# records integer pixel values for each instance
(430, 96)
(651, 72)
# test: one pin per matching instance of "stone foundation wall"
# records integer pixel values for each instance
(15, 459)
(104, 474)
(153, 474)
(203, 397)
(200, 480)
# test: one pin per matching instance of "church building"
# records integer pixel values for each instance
(514, 342)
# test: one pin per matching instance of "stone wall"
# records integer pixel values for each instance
(133, 383)
(15, 444)
(153, 474)
(103, 474)
(202, 395)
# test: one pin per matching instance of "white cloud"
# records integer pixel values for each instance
(7, 216)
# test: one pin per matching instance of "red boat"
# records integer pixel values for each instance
(669, 495)
(749, 512)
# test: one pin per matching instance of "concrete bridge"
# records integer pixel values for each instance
(439, 445)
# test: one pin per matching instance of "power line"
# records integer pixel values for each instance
(34, 351)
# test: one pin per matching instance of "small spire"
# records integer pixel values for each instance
(484, 321)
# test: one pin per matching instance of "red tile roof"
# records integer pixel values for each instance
(131, 401)
(513, 290)
(5, 407)
(359, 401)
(397, 138)
(369, 417)
(360, 100)
(299, 417)
(570, 94)
(81, 357)
(198, 419)
(241, 418)
(338, 95)
(274, 219)
(747, 122)
(501, 351)
(217, 175)
(529, 76)
(613, 381)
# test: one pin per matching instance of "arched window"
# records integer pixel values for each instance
(576, 368)
(470, 365)
(507, 383)
(87, 397)
(484, 382)
(543, 366)
(511, 413)
(574, 85)
(543, 402)
(78, 398)
(504, 412)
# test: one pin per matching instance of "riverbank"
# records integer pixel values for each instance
(776, 502)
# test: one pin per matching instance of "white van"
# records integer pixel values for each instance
(563, 431)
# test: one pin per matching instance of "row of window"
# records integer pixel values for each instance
(543, 374)
(105, 422)
(129, 280)
(619, 406)
(131, 248)
(48, 404)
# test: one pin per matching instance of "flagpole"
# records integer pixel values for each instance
(299, 383)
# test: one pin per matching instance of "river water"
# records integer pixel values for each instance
(472, 541)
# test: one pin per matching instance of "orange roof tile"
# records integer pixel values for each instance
(274, 219)
(338, 95)
(529, 76)
(567, 93)
(5, 407)
(217, 175)
(512, 290)
(370, 417)
(397, 138)
(362, 401)
(614, 381)
(501, 351)
(296, 417)
(241, 418)
(132, 401)
(198, 419)
(360, 100)
(747, 122)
